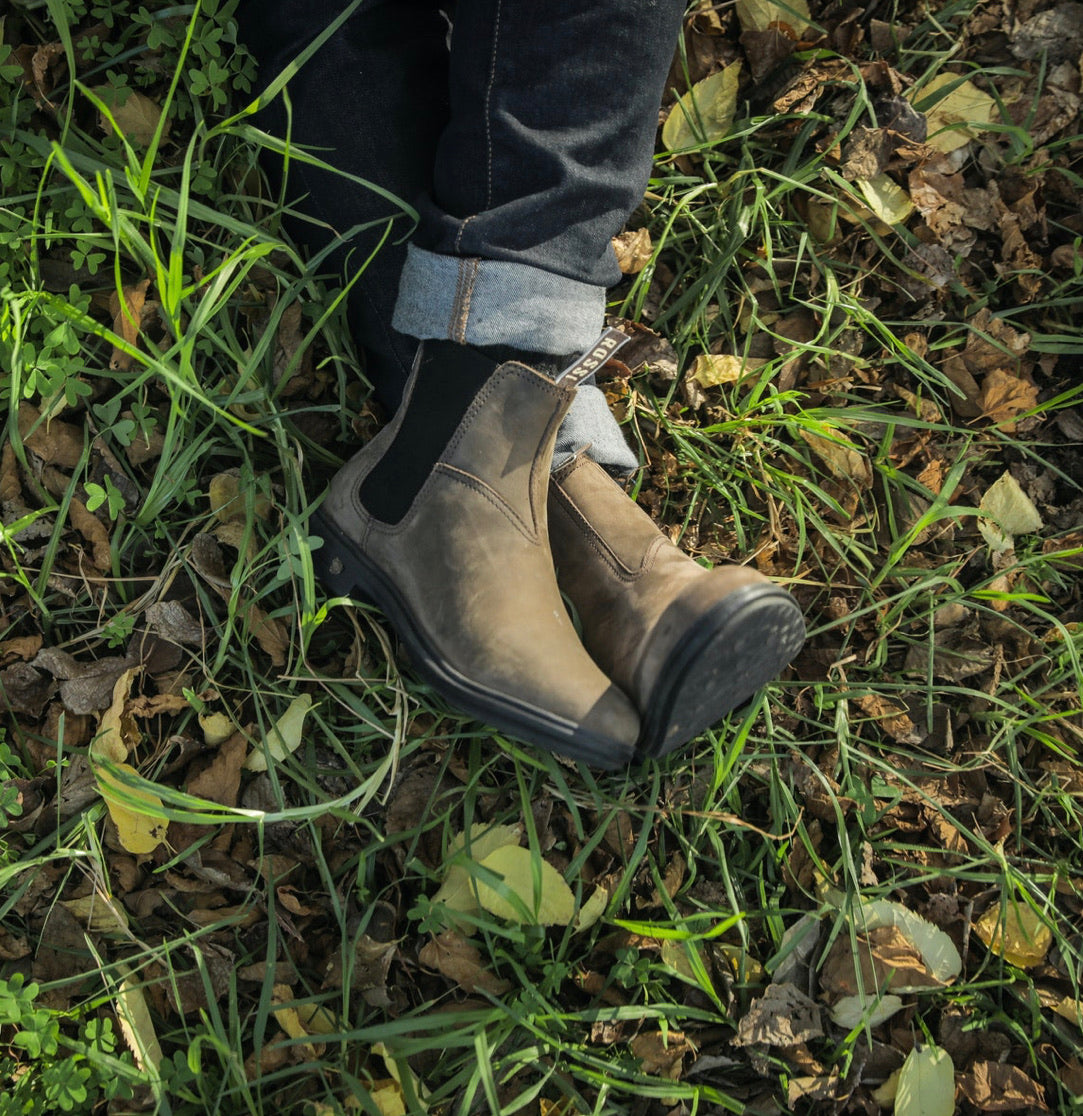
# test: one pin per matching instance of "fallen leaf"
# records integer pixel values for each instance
(926, 1084)
(592, 910)
(220, 781)
(782, 1016)
(662, 1055)
(455, 957)
(100, 915)
(135, 115)
(864, 1011)
(93, 530)
(840, 455)
(710, 370)
(284, 736)
(705, 113)
(1015, 932)
(955, 116)
(759, 15)
(216, 727)
(554, 905)
(937, 950)
(1005, 396)
(634, 250)
(1010, 512)
(999, 1087)
(127, 310)
(117, 732)
(228, 500)
(136, 1024)
(136, 812)
(458, 891)
(886, 198)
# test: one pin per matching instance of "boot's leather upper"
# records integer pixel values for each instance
(469, 569)
(637, 595)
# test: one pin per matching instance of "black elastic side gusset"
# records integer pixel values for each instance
(448, 379)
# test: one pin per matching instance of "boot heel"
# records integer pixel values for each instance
(334, 562)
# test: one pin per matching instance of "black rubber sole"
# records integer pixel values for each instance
(735, 648)
(346, 572)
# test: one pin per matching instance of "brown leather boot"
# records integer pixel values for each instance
(464, 572)
(687, 644)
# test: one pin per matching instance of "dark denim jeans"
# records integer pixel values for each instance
(524, 148)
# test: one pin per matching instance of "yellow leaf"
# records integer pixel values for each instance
(888, 200)
(136, 1025)
(285, 735)
(758, 15)
(840, 455)
(592, 909)
(457, 891)
(217, 728)
(885, 1095)
(926, 1083)
(387, 1096)
(1016, 933)
(709, 369)
(555, 906)
(100, 914)
(705, 112)
(137, 812)
(964, 111)
(117, 730)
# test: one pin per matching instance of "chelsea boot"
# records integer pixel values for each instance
(442, 523)
(687, 644)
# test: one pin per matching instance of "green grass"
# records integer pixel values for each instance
(879, 767)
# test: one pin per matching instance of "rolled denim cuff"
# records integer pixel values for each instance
(496, 302)
(590, 426)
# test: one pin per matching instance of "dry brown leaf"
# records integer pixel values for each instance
(840, 455)
(882, 960)
(634, 249)
(782, 1016)
(93, 530)
(21, 647)
(662, 1055)
(451, 954)
(270, 633)
(127, 310)
(893, 719)
(1005, 396)
(998, 1087)
(10, 488)
(55, 442)
(221, 779)
(135, 114)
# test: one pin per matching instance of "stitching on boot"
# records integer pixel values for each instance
(597, 544)
(504, 372)
(475, 484)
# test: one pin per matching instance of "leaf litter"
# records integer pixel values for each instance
(127, 682)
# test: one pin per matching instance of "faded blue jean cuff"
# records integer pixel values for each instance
(496, 302)
(590, 426)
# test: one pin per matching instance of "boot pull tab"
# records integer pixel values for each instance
(604, 348)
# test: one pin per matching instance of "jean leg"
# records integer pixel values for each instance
(547, 151)
(373, 102)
